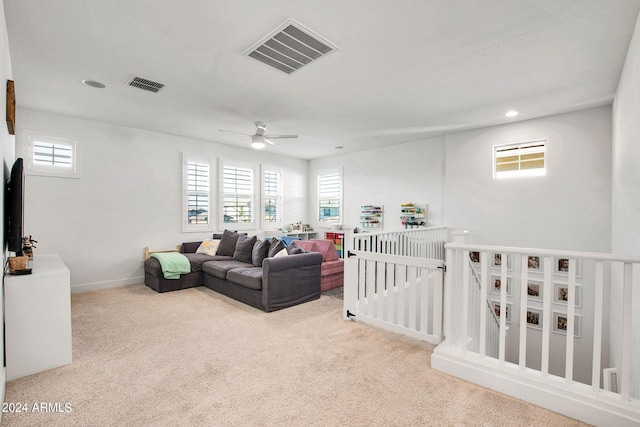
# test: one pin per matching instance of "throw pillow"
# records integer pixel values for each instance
(244, 248)
(260, 252)
(283, 252)
(293, 249)
(228, 243)
(275, 247)
(209, 247)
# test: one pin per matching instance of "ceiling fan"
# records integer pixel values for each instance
(259, 139)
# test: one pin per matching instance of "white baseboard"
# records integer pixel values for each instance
(573, 400)
(86, 287)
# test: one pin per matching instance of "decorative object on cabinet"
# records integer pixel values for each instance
(371, 216)
(413, 215)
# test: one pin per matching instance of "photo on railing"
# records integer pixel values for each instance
(560, 324)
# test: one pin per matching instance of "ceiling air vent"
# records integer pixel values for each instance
(145, 84)
(290, 47)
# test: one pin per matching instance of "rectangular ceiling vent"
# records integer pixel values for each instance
(145, 84)
(290, 47)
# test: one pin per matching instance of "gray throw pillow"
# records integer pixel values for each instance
(228, 243)
(260, 252)
(244, 248)
(275, 247)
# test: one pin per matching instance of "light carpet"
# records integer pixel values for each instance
(197, 358)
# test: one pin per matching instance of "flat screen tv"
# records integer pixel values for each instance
(14, 208)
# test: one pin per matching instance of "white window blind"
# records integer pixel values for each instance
(49, 154)
(238, 195)
(271, 197)
(52, 155)
(521, 159)
(197, 192)
(329, 196)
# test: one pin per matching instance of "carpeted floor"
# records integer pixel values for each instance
(196, 358)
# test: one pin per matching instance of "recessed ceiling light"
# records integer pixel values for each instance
(511, 113)
(93, 83)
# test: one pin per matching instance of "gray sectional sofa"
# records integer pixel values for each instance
(246, 269)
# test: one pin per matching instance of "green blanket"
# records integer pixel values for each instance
(173, 264)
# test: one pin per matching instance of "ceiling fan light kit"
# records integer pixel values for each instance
(257, 142)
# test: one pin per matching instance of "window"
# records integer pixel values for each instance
(521, 159)
(237, 194)
(271, 197)
(197, 195)
(52, 155)
(329, 196)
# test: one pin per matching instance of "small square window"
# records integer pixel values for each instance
(52, 155)
(520, 159)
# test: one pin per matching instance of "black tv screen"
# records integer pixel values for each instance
(14, 207)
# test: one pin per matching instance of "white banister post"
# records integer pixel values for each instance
(459, 236)
(349, 292)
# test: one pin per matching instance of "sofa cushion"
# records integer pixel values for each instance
(259, 252)
(228, 243)
(307, 245)
(250, 277)
(244, 248)
(220, 269)
(327, 248)
(197, 260)
(275, 247)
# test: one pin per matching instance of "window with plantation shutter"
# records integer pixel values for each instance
(521, 159)
(329, 196)
(238, 194)
(271, 197)
(197, 209)
(52, 155)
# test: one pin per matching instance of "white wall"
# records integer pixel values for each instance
(390, 176)
(129, 196)
(7, 151)
(626, 193)
(569, 208)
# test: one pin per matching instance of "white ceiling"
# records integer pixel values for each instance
(405, 70)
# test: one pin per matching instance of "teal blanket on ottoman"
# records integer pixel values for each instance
(173, 264)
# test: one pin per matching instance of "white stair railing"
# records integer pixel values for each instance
(557, 331)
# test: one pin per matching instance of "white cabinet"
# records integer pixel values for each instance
(37, 309)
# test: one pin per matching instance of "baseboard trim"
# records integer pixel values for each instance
(581, 403)
(86, 287)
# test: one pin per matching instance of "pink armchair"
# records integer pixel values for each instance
(332, 268)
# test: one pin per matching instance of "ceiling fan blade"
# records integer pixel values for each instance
(232, 131)
(280, 136)
(268, 141)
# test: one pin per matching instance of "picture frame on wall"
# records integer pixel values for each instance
(495, 306)
(474, 257)
(561, 293)
(561, 267)
(534, 318)
(495, 285)
(496, 260)
(560, 323)
(534, 290)
(534, 263)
